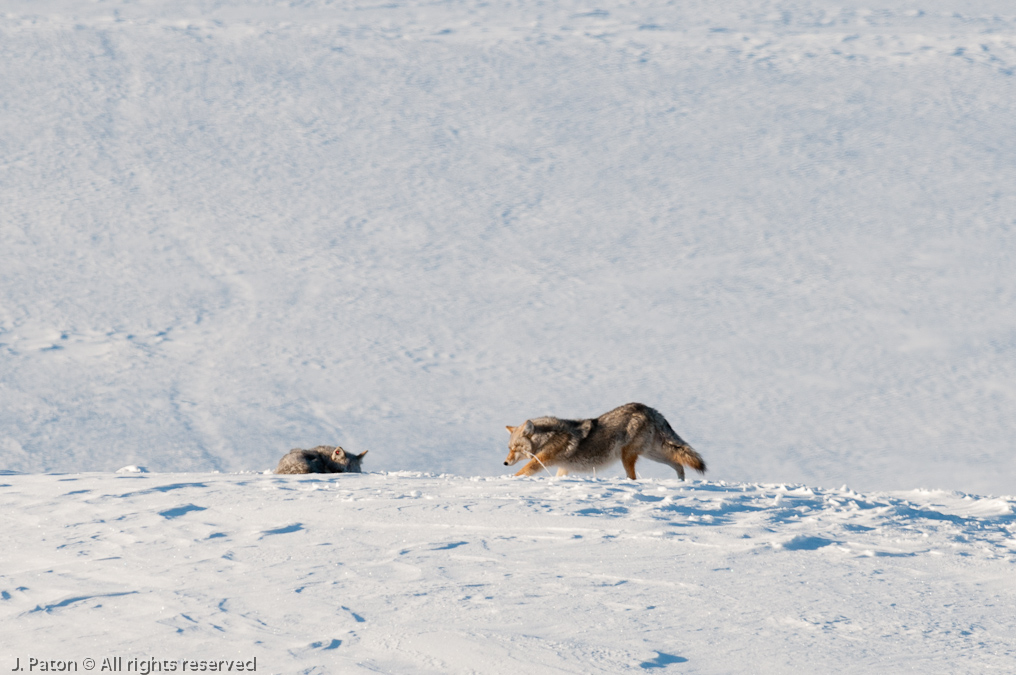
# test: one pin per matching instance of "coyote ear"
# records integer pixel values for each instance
(528, 429)
(510, 429)
(360, 456)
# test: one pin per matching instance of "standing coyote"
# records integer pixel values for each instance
(624, 433)
(322, 459)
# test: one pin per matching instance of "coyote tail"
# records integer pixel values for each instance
(683, 453)
(688, 456)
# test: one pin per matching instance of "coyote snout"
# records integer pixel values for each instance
(625, 434)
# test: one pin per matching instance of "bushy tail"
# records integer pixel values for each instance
(682, 452)
(688, 456)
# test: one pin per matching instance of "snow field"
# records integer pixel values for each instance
(417, 573)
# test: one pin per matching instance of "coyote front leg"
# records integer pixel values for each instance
(534, 465)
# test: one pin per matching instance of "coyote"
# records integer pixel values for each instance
(624, 433)
(322, 459)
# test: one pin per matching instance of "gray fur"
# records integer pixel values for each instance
(322, 459)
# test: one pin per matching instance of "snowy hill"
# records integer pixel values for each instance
(413, 573)
(232, 228)
(229, 229)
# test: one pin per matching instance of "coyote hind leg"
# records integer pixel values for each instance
(628, 459)
(666, 454)
(673, 464)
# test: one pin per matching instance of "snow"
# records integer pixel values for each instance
(228, 229)
(421, 573)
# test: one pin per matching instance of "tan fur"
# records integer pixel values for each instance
(625, 433)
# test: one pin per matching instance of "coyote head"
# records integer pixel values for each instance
(520, 445)
(349, 462)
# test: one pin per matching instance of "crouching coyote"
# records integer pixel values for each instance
(322, 459)
(624, 433)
